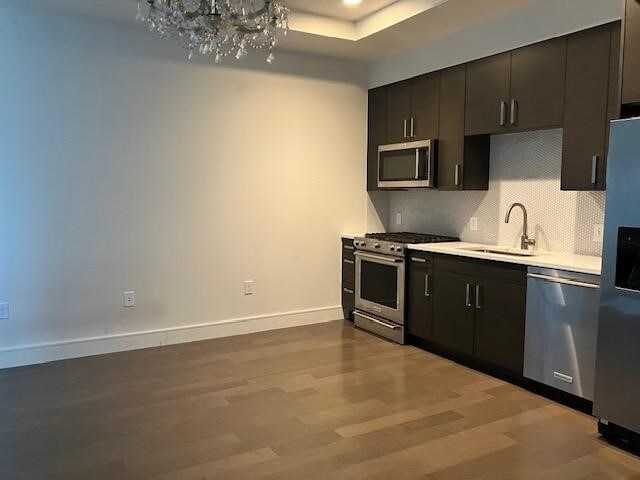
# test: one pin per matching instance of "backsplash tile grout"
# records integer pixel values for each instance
(525, 167)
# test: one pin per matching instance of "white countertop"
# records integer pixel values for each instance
(351, 236)
(560, 261)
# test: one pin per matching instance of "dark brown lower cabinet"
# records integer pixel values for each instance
(499, 323)
(420, 296)
(348, 278)
(453, 316)
(478, 309)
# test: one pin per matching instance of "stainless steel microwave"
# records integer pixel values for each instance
(407, 165)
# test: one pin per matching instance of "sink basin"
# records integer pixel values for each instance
(502, 251)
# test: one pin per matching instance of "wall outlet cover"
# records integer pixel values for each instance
(473, 224)
(129, 299)
(4, 311)
(598, 233)
(248, 287)
(398, 219)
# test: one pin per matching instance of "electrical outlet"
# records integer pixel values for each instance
(248, 287)
(398, 218)
(598, 233)
(473, 224)
(4, 311)
(129, 299)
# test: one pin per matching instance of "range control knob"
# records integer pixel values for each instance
(376, 245)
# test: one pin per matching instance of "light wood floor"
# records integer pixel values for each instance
(320, 402)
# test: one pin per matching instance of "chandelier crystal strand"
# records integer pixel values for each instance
(218, 27)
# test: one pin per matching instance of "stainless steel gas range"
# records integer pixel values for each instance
(381, 280)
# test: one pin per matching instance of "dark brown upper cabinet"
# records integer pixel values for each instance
(488, 91)
(412, 109)
(463, 162)
(590, 102)
(538, 85)
(631, 55)
(518, 90)
(376, 127)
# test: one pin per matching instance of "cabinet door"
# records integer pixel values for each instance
(398, 112)
(376, 130)
(631, 55)
(537, 85)
(487, 95)
(451, 136)
(420, 298)
(425, 107)
(586, 116)
(453, 311)
(500, 310)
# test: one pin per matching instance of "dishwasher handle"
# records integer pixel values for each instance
(563, 281)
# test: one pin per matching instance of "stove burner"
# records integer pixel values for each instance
(410, 238)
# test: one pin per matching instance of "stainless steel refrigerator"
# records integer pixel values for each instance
(617, 385)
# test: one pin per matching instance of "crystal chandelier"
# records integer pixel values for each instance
(218, 27)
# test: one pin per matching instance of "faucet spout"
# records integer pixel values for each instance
(525, 241)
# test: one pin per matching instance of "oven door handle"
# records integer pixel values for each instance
(381, 323)
(379, 258)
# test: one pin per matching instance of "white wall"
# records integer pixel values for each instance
(539, 20)
(123, 167)
(525, 167)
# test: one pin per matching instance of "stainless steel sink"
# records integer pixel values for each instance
(502, 251)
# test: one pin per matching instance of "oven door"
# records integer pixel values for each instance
(380, 282)
(407, 165)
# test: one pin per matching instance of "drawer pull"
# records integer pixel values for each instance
(349, 247)
(563, 377)
(349, 291)
(418, 259)
(349, 262)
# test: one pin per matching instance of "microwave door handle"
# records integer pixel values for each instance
(417, 163)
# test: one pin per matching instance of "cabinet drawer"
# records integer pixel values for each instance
(497, 271)
(348, 297)
(348, 270)
(420, 259)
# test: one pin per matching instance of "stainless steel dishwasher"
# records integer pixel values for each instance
(561, 329)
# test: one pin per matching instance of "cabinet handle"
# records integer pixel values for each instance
(413, 127)
(468, 297)
(418, 260)
(349, 291)
(349, 262)
(478, 293)
(349, 247)
(503, 114)
(514, 112)
(594, 169)
(405, 128)
(456, 175)
(427, 285)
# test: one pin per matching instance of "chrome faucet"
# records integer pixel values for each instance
(525, 241)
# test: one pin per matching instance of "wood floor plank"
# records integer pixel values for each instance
(320, 402)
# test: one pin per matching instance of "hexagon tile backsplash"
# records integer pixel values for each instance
(525, 168)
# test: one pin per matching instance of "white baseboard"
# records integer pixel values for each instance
(83, 347)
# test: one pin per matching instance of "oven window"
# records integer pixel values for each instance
(379, 284)
(401, 165)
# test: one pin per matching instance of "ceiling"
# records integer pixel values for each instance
(337, 9)
(369, 32)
